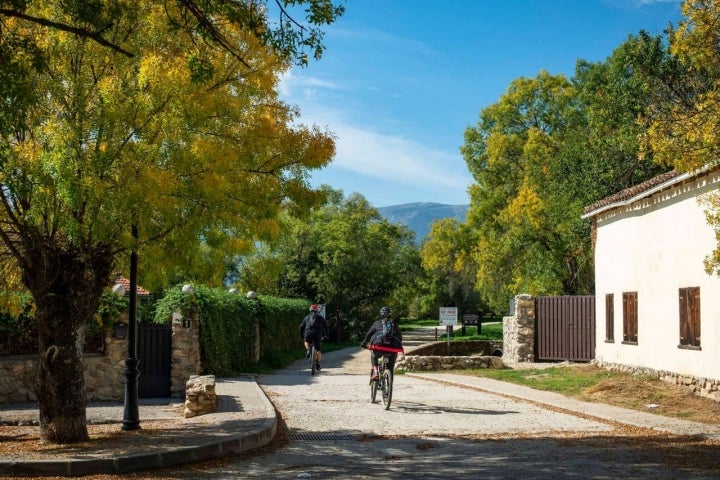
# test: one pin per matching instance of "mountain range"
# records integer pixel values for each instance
(419, 216)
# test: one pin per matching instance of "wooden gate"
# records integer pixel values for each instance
(154, 354)
(565, 328)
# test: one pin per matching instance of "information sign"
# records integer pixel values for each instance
(448, 316)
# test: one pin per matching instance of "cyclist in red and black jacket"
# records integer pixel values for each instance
(382, 343)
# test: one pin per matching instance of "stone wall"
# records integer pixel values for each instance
(519, 331)
(105, 372)
(460, 348)
(423, 363)
(462, 355)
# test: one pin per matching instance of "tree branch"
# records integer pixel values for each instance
(83, 32)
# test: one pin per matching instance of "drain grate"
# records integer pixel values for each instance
(323, 437)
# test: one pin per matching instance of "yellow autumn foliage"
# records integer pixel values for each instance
(182, 140)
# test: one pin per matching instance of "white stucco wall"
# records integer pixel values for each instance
(654, 247)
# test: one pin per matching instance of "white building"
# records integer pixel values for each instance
(656, 307)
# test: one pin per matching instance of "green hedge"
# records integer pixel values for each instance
(230, 322)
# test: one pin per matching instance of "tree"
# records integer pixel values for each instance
(547, 149)
(343, 254)
(602, 154)
(684, 117)
(179, 151)
(206, 20)
(522, 242)
(447, 258)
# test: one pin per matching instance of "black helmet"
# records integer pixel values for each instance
(385, 311)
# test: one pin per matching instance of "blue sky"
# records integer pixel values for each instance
(401, 80)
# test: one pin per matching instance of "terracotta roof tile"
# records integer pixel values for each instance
(633, 191)
(126, 285)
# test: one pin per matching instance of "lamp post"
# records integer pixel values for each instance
(131, 416)
(188, 289)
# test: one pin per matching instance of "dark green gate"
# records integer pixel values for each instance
(154, 355)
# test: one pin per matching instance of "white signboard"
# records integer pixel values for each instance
(448, 315)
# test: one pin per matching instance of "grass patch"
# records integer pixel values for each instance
(572, 381)
(488, 331)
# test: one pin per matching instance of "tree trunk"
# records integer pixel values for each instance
(66, 287)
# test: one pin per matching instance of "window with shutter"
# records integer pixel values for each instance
(689, 300)
(630, 317)
(609, 317)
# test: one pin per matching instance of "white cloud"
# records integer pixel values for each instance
(302, 87)
(389, 157)
(374, 156)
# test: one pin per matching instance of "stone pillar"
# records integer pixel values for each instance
(519, 331)
(185, 359)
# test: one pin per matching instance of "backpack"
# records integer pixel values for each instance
(385, 335)
(387, 329)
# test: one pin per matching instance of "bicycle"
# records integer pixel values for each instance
(384, 382)
(313, 360)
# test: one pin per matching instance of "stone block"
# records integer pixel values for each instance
(200, 397)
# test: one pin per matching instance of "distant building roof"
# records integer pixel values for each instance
(126, 285)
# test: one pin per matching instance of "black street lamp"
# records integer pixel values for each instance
(131, 415)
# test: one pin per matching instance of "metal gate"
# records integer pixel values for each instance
(565, 328)
(154, 354)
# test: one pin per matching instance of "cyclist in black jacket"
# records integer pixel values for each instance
(382, 343)
(313, 329)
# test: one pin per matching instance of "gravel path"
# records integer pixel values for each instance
(337, 402)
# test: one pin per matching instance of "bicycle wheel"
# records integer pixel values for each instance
(313, 360)
(373, 389)
(387, 387)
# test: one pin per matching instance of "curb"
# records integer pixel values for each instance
(250, 439)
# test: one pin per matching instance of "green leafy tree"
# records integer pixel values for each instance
(518, 223)
(684, 117)
(447, 258)
(178, 152)
(549, 147)
(345, 255)
(602, 152)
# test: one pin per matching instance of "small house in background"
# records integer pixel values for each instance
(657, 310)
(144, 297)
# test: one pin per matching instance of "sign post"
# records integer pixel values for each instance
(448, 317)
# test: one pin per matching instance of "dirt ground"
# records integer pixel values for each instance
(649, 395)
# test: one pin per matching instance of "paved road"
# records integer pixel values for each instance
(435, 431)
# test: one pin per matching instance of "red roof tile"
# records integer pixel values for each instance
(126, 285)
(633, 191)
